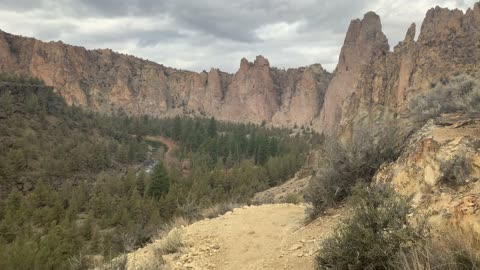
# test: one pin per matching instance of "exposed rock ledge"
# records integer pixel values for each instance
(420, 172)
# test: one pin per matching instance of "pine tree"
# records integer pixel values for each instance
(140, 183)
(177, 128)
(212, 128)
(41, 196)
(160, 183)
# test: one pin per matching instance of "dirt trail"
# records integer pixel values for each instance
(251, 237)
(169, 158)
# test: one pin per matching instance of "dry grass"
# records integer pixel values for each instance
(171, 243)
(218, 210)
(455, 250)
(292, 198)
(177, 222)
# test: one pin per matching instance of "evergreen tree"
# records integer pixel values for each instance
(140, 183)
(41, 196)
(159, 183)
(177, 128)
(212, 128)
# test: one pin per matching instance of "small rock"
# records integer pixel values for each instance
(295, 247)
(189, 266)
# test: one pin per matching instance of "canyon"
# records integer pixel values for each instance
(370, 85)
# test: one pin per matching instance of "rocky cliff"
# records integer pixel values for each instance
(107, 81)
(373, 84)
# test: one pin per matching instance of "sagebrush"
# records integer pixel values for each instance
(344, 166)
(460, 94)
(373, 235)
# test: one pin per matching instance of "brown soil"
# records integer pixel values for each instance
(252, 237)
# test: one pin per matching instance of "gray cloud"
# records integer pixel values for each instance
(198, 35)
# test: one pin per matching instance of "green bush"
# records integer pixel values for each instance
(20, 78)
(344, 166)
(374, 234)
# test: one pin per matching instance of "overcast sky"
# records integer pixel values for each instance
(200, 34)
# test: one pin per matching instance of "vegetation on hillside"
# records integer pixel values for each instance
(20, 79)
(372, 235)
(70, 190)
(379, 233)
(459, 94)
(343, 166)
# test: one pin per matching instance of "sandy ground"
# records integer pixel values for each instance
(252, 237)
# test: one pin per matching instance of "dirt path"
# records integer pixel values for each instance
(169, 158)
(252, 237)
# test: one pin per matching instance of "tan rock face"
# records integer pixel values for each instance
(107, 81)
(373, 84)
(364, 41)
(420, 171)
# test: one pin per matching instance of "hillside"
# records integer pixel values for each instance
(42, 138)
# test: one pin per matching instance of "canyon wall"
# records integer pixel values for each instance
(106, 81)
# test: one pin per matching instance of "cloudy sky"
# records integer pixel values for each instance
(200, 34)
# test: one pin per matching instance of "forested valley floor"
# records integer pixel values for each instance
(73, 183)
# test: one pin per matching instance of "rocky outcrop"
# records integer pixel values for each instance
(106, 81)
(372, 84)
(440, 168)
(363, 42)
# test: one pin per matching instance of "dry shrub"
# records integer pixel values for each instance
(219, 209)
(171, 243)
(190, 210)
(454, 250)
(344, 166)
(292, 198)
(176, 222)
(459, 94)
(264, 199)
(455, 171)
(373, 234)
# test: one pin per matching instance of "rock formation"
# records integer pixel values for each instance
(106, 81)
(363, 42)
(439, 168)
(372, 84)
